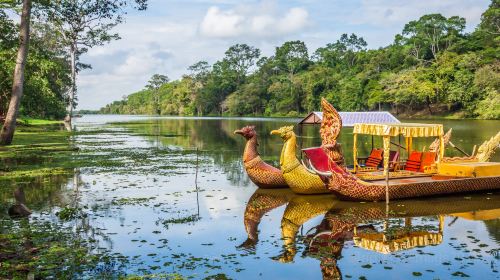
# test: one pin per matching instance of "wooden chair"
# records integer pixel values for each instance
(372, 162)
(413, 162)
(394, 161)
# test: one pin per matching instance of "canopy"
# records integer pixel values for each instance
(351, 118)
(382, 243)
(405, 129)
(377, 242)
(387, 130)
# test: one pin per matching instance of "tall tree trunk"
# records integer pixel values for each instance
(9, 126)
(72, 91)
(428, 101)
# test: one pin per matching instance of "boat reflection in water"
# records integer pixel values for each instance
(378, 227)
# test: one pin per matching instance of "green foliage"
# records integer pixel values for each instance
(46, 74)
(432, 67)
(432, 34)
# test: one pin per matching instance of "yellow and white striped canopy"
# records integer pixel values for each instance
(395, 129)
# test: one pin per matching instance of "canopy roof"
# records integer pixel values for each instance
(351, 118)
(405, 129)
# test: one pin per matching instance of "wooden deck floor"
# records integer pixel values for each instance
(406, 180)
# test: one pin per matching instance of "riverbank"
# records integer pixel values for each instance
(423, 114)
(40, 147)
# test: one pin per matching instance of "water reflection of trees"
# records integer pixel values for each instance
(493, 228)
(51, 245)
(214, 136)
(41, 192)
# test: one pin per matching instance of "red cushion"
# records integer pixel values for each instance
(414, 161)
(374, 158)
(376, 153)
(373, 162)
(415, 156)
(428, 158)
(318, 158)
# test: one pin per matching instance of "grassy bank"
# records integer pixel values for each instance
(40, 147)
(32, 121)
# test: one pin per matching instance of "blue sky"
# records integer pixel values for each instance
(173, 34)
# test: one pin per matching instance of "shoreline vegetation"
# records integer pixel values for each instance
(417, 115)
(451, 74)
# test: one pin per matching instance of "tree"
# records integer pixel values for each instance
(490, 19)
(241, 57)
(8, 43)
(154, 85)
(486, 36)
(290, 58)
(83, 24)
(9, 126)
(342, 52)
(432, 33)
(199, 70)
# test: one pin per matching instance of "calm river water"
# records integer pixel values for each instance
(142, 201)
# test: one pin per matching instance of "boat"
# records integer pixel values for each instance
(297, 176)
(442, 177)
(260, 173)
(261, 202)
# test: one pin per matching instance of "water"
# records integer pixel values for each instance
(140, 201)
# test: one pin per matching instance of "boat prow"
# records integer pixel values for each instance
(260, 173)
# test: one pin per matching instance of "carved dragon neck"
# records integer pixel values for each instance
(288, 153)
(251, 149)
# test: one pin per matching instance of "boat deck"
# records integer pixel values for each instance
(379, 175)
(407, 180)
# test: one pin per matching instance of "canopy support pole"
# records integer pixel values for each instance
(301, 139)
(387, 151)
(355, 152)
(441, 223)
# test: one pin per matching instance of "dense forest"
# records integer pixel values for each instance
(433, 67)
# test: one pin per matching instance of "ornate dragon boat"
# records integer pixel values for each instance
(261, 173)
(444, 176)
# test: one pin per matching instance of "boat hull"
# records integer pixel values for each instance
(302, 181)
(358, 190)
(264, 175)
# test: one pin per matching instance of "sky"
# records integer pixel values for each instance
(174, 34)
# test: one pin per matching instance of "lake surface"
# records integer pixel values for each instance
(170, 195)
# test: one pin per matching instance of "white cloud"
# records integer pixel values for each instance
(219, 23)
(255, 21)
